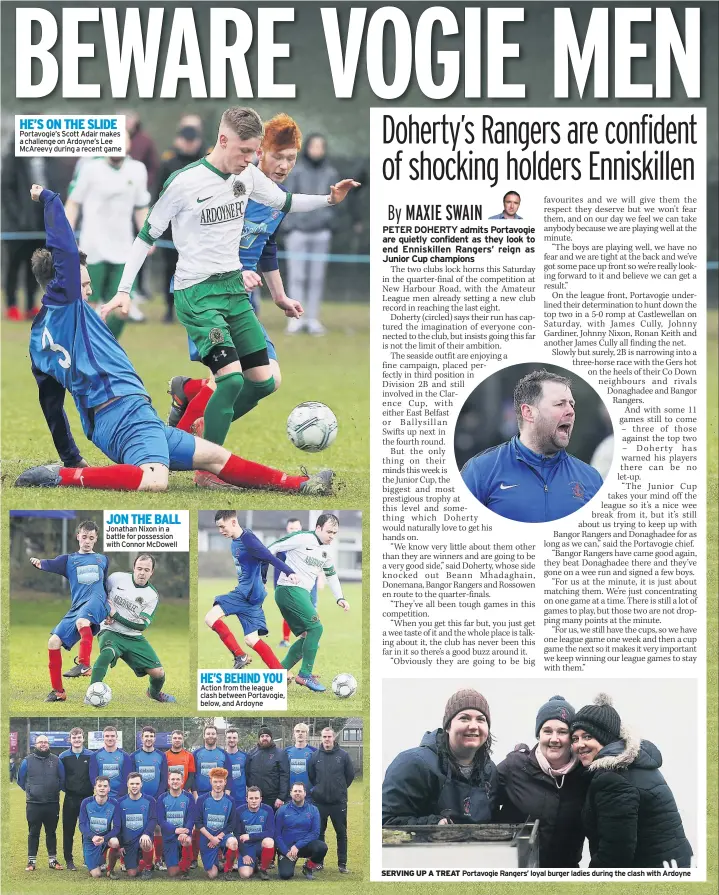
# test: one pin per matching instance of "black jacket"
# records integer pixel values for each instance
(331, 774)
(525, 791)
(270, 770)
(77, 773)
(630, 815)
(420, 787)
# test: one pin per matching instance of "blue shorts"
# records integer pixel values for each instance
(271, 350)
(130, 431)
(171, 850)
(209, 855)
(95, 611)
(92, 854)
(251, 615)
(132, 854)
(254, 849)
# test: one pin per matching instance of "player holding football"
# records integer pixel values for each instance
(71, 348)
(306, 554)
(133, 601)
(245, 601)
(206, 203)
(86, 572)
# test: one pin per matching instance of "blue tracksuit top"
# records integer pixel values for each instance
(258, 241)
(175, 811)
(113, 765)
(152, 767)
(85, 572)
(237, 781)
(69, 341)
(296, 826)
(518, 484)
(205, 761)
(99, 820)
(257, 824)
(138, 817)
(248, 555)
(298, 764)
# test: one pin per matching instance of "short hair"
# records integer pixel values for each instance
(148, 729)
(218, 772)
(302, 726)
(245, 122)
(144, 556)
(109, 729)
(182, 734)
(43, 269)
(104, 779)
(299, 783)
(232, 730)
(529, 388)
(281, 132)
(325, 518)
(331, 730)
(254, 789)
(87, 525)
(77, 730)
(175, 771)
(133, 774)
(225, 514)
(209, 727)
(511, 193)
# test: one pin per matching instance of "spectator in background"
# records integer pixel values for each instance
(42, 776)
(188, 147)
(78, 787)
(331, 774)
(309, 233)
(20, 216)
(13, 769)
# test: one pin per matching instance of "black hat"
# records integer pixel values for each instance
(600, 719)
(555, 708)
(263, 731)
(188, 132)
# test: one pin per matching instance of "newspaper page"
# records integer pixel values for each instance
(289, 286)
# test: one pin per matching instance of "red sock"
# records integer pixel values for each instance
(229, 859)
(310, 865)
(85, 649)
(285, 630)
(193, 386)
(264, 651)
(146, 861)
(116, 478)
(186, 858)
(266, 858)
(55, 666)
(111, 857)
(228, 638)
(195, 844)
(196, 408)
(159, 852)
(247, 474)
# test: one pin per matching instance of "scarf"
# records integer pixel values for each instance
(555, 773)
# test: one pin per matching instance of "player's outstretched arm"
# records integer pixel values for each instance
(57, 566)
(64, 287)
(257, 550)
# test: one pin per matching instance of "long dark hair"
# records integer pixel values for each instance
(481, 758)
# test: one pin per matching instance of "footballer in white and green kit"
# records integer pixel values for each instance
(205, 202)
(133, 602)
(307, 555)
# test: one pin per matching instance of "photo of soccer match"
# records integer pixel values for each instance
(115, 623)
(311, 625)
(188, 799)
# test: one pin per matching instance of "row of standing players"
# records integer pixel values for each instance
(177, 806)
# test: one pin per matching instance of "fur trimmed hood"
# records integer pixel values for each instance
(628, 750)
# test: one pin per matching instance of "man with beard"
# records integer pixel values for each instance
(179, 759)
(207, 758)
(42, 776)
(531, 477)
(268, 768)
(331, 774)
(297, 835)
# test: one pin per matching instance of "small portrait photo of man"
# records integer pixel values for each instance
(527, 439)
(511, 202)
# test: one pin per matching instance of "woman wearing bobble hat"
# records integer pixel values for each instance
(547, 783)
(449, 777)
(630, 816)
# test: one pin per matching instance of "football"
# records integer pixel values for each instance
(344, 685)
(312, 426)
(98, 695)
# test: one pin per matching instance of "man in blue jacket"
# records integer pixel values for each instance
(531, 477)
(297, 835)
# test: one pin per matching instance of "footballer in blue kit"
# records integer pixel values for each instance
(235, 764)
(207, 758)
(532, 478)
(255, 833)
(299, 755)
(150, 764)
(86, 572)
(99, 823)
(71, 348)
(138, 818)
(176, 817)
(249, 555)
(111, 762)
(216, 822)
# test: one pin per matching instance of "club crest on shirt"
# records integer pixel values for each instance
(238, 188)
(216, 336)
(577, 490)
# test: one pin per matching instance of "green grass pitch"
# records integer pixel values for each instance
(333, 369)
(17, 881)
(340, 646)
(30, 626)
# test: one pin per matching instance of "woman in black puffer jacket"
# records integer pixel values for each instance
(547, 783)
(630, 816)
